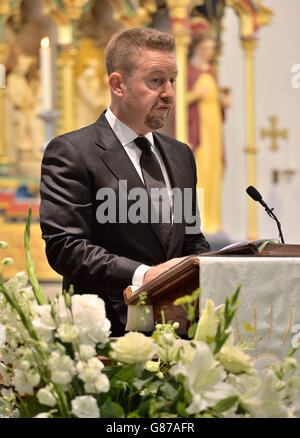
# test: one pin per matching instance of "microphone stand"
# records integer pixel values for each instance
(272, 215)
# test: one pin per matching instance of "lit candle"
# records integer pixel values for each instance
(46, 73)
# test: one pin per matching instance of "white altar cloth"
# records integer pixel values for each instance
(269, 298)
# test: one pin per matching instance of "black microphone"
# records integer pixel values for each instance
(256, 196)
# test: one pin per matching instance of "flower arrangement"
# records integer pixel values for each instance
(50, 365)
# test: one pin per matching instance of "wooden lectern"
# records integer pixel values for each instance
(183, 278)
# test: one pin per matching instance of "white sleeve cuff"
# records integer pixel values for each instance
(138, 276)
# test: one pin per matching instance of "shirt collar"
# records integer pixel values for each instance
(125, 134)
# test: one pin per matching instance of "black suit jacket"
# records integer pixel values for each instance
(101, 258)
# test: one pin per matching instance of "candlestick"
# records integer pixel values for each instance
(46, 73)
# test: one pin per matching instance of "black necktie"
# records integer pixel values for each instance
(160, 209)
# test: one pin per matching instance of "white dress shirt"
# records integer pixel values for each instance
(126, 137)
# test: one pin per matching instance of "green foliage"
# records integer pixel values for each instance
(222, 334)
(30, 264)
(110, 409)
(190, 304)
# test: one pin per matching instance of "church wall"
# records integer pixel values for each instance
(276, 53)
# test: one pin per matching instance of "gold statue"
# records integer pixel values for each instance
(92, 93)
(206, 105)
(26, 131)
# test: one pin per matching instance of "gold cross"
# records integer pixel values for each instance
(274, 133)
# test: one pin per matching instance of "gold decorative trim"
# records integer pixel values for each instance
(289, 326)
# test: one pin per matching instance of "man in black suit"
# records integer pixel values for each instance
(95, 244)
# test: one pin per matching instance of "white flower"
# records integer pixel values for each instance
(62, 368)
(204, 378)
(33, 378)
(25, 382)
(90, 373)
(86, 352)
(3, 244)
(170, 349)
(43, 322)
(207, 324)
(67, 332)
(101, 384)
(46, 397)
(85, 406)
(289, 365)
(259, 395)
(234, 359)
(132, 348)
(88, 316)
(17, 282)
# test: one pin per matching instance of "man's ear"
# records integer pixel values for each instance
(116, 83)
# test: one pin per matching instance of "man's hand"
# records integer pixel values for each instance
(155, 271)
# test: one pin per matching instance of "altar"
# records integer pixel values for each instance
(267, 318)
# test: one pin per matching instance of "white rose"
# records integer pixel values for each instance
(132, 348)
(234, 359)
(204, 378)
(85, 406)
(67, 332)
(45, 397)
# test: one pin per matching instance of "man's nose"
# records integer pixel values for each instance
(168, 90)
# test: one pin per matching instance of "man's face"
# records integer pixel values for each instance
(148, 94)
